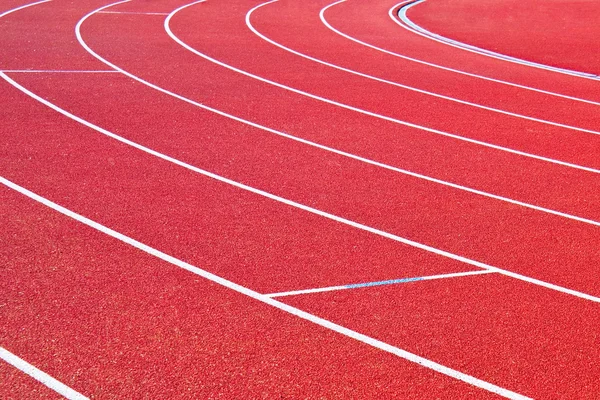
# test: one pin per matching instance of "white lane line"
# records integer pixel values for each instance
(344, 154)
(411, 88)
(59, 71)
(361, 111)
(312, 210)
(132, 13)
(5, 13)
(378, 283)
(473, 49)
(300, 140)
(38, 374)
(264, 299)
(457, 71)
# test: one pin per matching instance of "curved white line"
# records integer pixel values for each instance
(290, 202)
(29, 369)
(365, 112)
(265, 299)
(457, 71)
(410, 25)
(411, 88)
(307, 142)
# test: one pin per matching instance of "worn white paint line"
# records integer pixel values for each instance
(39, 375)
(267, 300)
(379, 283)
(464, 46)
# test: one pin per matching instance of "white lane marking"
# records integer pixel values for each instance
(467, 47)
(411, 88)
(264, 299)
(361, 111)
(378, 283)
(457, 71)
(59, 71)
(38, 374)
(5, 13)
(343, 154)
(309, 209)
(132, 12)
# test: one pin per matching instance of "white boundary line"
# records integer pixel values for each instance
(407, 87)
(457, 71)
(379, 283)
(294, 204)
(264, 299)
(38, 374)
(473, 49)
(306, 208)
(344, 154)
(358, 110)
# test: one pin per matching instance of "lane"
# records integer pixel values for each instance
(290, 25)
(546, 43)
(368, 95)
(375, 193)
(371, 23)
(116, 322)
(513, 334)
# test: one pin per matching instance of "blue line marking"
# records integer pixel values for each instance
(379, 283)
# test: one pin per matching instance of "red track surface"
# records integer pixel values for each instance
(111, 321)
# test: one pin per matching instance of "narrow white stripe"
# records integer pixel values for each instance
(54, 71)
(411, 88)
(345, 287)
(5, 13)
(39, 375)
(310, 209)
(341, 105)
(467, 47)
(457, 71)
(132, 12)
(262, 298)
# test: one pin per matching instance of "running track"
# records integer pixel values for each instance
(240, 199)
